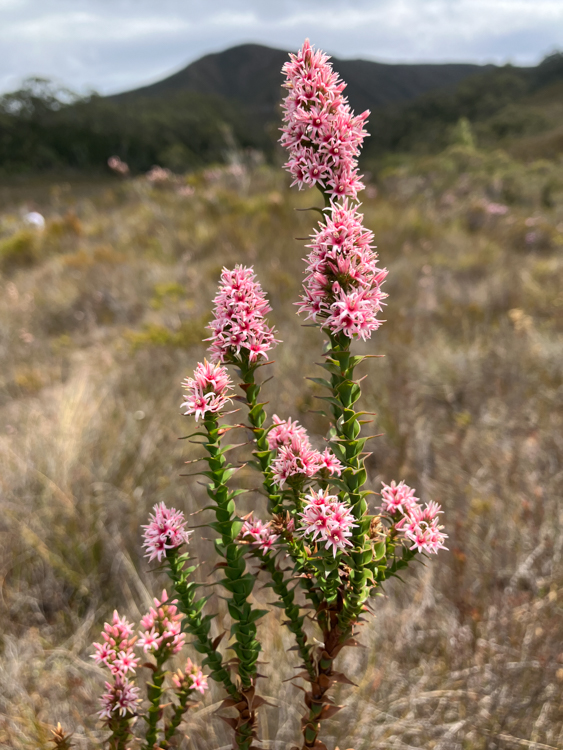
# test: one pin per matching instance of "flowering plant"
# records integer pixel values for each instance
(160, 637)
(322, 549)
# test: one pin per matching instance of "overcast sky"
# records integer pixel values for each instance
(115, 45)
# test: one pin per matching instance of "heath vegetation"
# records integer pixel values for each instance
(102, 315)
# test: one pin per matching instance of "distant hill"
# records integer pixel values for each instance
(228, 102)
(250, 74)
(516, 108)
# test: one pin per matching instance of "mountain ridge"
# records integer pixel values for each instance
(251, 74)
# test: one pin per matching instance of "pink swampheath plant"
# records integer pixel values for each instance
(160, 637)
(321, 550)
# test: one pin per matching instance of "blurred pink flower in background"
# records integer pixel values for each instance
(158, 175)
(118, 166)
(496, 209)
(186, 191)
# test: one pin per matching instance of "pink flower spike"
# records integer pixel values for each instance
(342, 287)
(150, 641)
(260, 534)
(284, 431)
(166, 530)
(162, 628)
(418, 526)
(104, 653)
(432, 510)
(208, 391)
(120, 698)
(125, 662)
(116, 649)
(328, 519)
(397, 498)
(295, 456)
(331, 463)
(321, 133)
(239, 329)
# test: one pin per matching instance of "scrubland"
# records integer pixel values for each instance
(101, 317)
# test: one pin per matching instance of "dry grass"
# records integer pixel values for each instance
(102, 319)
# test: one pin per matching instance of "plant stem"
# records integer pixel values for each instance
(179, 711)
(346, 391)
(195, 623)
(294, 619)
(154, 694)
(265, 456)
(120, 732)
(237, 581)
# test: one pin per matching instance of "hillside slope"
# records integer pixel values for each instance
(230, 101)
(250, 73)
(509, 107)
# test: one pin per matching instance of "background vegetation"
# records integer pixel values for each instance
(46, 129)
(102, 315)
(195, 117)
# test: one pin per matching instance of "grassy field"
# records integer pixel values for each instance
(102, 316)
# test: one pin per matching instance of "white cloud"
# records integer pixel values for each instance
(113, 45)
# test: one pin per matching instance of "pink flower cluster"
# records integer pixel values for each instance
(260, 533)
(325, 517)
(496, 209)
(115, 164)
(158, 175)
(284, 431)
(295, 455)
(166, 530)
(342, 289)
(162, 628)
(208, 390)
(321, 133)
(239, 328)
(191, 679)
(161, 632)
(116, 653)
(116, 649)
(121, 697)
(418, 525)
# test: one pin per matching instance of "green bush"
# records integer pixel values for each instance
(19, 250)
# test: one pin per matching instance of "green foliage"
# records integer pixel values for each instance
(171, 291)
(498, 104)
(43, 128)
(19, 250)
(190, 333)
(462, 134)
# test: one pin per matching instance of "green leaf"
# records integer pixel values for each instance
(321, 381)
(242, 585)
(236, 527)
(331, 400)
(256, 614)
